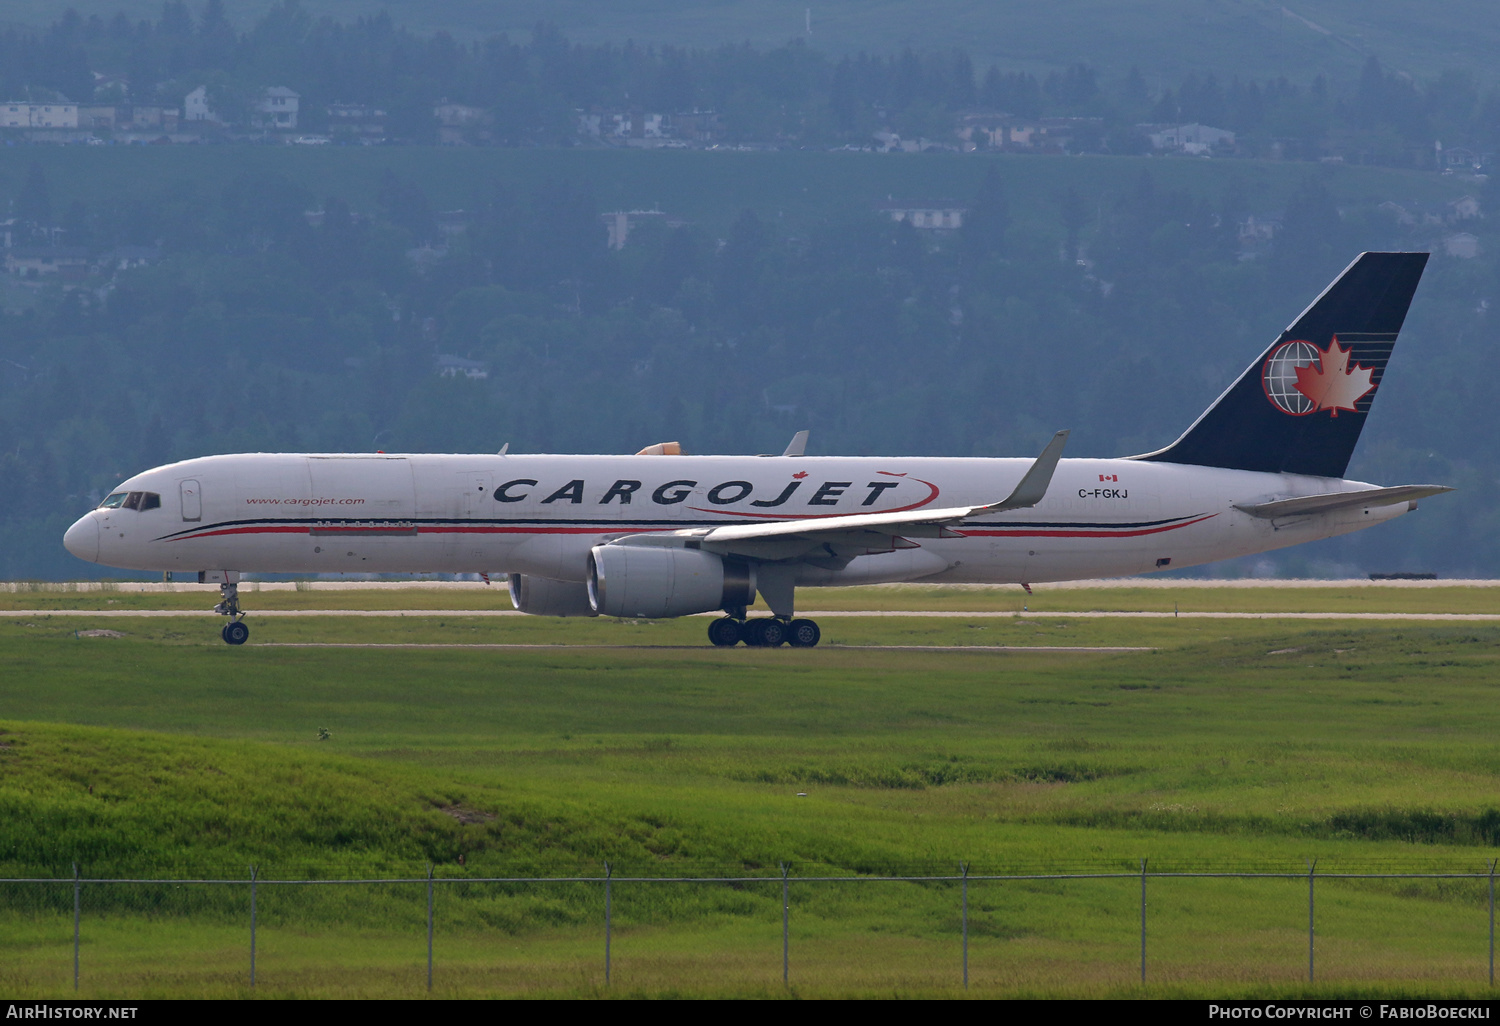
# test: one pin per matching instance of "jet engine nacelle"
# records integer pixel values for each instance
(542, 596)
(655, 581)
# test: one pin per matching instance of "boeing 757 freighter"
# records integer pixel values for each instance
(660, 534)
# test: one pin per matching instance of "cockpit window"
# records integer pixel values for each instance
(132, 500)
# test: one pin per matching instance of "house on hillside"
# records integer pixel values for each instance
(996, 131)
(1458, 157)
(99, 117)
(1256, 233)
(979, 131)
(698, 125)
(132, 117)
(195, 107)
(124, 258)
(276, 109)
(638, 124)
(449, 366)
(1465, 208)
(54, 115)
(620, 223)
(460, 124)
(941, 215)
(887, 141)
(1194, 139)
(20, 114)
(640, 128)
(356, 121)
(68, 262)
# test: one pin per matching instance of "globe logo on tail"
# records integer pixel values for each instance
(1299, 379)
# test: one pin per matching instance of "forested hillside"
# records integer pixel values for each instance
(1248, 38)
(375, 81)
(295, 300)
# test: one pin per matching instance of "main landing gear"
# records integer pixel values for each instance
(235, 632)
(764, 632)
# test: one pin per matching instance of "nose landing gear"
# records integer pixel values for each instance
(235, 632)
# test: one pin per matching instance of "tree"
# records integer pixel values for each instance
(983, 233)
(1074, 216)
(34, 202)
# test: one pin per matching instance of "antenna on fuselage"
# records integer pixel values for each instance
(504, 449)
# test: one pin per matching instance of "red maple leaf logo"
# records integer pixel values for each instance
(799, 475)
(1331, 383)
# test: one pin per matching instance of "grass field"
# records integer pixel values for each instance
(1232, 744)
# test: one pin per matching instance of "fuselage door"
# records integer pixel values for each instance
(476, 488)
(192, 500)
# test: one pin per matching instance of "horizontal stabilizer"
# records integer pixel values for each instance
(1328, 502)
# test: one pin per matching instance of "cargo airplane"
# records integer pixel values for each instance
(660, 534)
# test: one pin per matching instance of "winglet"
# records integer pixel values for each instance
(1033, 486)
(798, 445)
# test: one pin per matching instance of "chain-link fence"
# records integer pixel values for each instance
(701, 933)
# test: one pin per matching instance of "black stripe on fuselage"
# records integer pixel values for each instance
(376, 523)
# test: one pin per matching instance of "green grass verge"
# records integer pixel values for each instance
(1237, 744)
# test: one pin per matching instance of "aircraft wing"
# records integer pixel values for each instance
(1029, 492)
(1328, 502)
(840, 538)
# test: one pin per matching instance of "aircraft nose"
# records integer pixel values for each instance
(82, 538)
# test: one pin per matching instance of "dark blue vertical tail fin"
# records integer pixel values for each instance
(1299, 408)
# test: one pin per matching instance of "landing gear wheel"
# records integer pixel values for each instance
(725, 632)
(235, 633)
(765, 632)
(803, 633)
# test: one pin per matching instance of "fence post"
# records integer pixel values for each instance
(1492, 922)
(429, 927)
(77, 907)
(965, 867)
(253, 875)
(1143, 921)
(1311, 867)
(785, 924)
(608, 918)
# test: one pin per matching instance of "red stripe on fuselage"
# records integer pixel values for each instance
(978, 532)
(971, 533)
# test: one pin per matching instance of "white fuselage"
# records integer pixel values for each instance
(295, 513)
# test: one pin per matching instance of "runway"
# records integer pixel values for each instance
(701, 648)
(816, 614)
